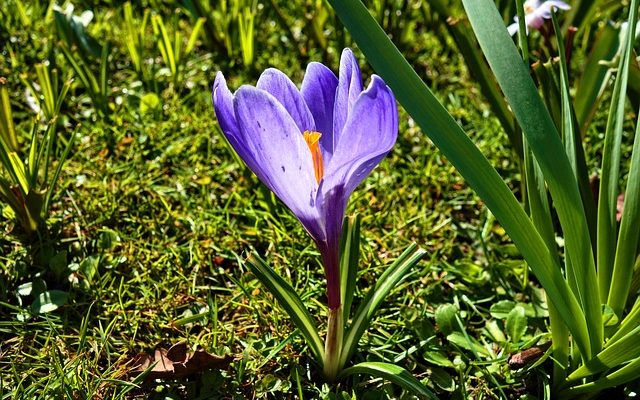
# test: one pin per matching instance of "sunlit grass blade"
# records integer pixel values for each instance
(542, 136)
(367, 308)
(7, 128)
(349, 258)
(392, 373)
(164, 43)
(290, 301)
(610, 175)
(195, 32)
(21, 173)
(50, 190)
(445, 133)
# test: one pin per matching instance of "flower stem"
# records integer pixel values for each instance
(333, 344)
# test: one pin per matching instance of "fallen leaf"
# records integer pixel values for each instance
(177, 362)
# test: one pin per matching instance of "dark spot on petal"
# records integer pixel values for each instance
(282, 166)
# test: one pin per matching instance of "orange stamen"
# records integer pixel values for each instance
(313, 141)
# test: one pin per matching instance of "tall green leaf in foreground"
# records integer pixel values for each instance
(604, 358)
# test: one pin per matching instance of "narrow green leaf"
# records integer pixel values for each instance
(84, 73)
(628, 323)
(56, 175)
(104, 63)
(164, 43)
(18, 167)
(32, 161)
(610, 175)
(392, 373)
(290, 301)
(627, 243)
(572, 138)
(7, 128)
(477, 66)
(194, 35)
(445, 133)
(389, 279)
(131, 37)
(542, 136)
(349, 258)
(42, 72)
(595, 75)
(621, 351)
(626, 374)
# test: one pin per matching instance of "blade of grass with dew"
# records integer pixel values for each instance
(393, 373)
(367, 308)
(290, 301)
(609, 179)
(542, 136)
(443, 130)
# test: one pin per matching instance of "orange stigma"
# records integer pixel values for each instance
(313, 141)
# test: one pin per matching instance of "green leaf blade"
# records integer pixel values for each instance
(290, 301)
(393, 373)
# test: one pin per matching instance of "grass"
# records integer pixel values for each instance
(153, 211)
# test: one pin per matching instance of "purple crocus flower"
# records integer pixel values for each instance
(312, 146)
(535, 12)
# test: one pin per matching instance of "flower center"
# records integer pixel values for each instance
(313, 141)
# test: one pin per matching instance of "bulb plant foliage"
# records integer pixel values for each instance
(594, 313)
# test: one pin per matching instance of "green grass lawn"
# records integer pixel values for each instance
(153, 215)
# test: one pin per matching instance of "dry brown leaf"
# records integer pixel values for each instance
(177, 362)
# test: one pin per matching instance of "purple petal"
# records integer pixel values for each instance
(280, 86)
(319, 92)
(534, 20)
(369, 134)
(558, 4)
(283, 160)
(349, 88)
(544, 10)
(223, 106)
